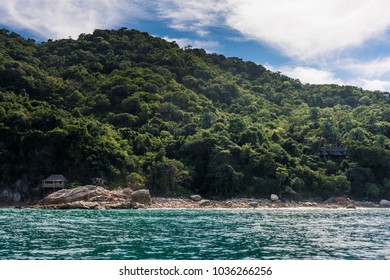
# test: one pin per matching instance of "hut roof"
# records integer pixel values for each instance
(56, 177)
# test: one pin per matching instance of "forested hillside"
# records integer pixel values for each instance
(138, 111)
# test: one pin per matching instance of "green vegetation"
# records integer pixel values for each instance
(138, 111)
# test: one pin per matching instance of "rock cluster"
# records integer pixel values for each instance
(14, 194)
(196, 197)
(332, 203)
(95, 197)
(384, 203)
(11, 196)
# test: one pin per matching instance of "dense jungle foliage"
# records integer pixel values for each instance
(135, 110)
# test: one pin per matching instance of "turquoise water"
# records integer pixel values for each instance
(195, 234)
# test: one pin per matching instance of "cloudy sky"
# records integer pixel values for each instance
(321, 41)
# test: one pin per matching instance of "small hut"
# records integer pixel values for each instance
(54, 182)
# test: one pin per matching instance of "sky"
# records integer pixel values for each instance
(344, 42)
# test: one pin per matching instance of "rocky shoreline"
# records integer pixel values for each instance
(96, 197)
(247, 203)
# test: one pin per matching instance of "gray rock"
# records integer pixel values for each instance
(128, 192)
(141, 196)
(196, 197)
(351, 206)
(16, 197)
(136, 205)
(384, 203)
(92, 197)
(338, 200)
(118, 205)
(204, 203)
(5, 195)
(11, 196)
(253, 204)
(74, 205)
(366, 204)
(22, 185)
(309, 204)
(83, 193)
(274, 197)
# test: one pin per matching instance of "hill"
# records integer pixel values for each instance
(131, 110)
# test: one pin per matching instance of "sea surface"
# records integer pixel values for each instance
(195, 234)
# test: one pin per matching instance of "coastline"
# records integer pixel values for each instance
(248, 203)
(186, 203)
(96, 197)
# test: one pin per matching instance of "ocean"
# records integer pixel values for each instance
(201, 234)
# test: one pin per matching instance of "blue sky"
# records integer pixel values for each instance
(321, 41)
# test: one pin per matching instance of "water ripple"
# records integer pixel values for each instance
(195, 234)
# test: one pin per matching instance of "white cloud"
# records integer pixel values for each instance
(209, 46)
(314, 75)
(302, 29)
(369, 74)
(192, 15)
(61, 19)
(311, 75)
(318, 33)
(374, 68)
(306, 29)
(373, 84)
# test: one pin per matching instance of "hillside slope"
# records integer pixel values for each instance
(135, 110)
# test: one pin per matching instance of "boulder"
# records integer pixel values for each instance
(338, 200)
(384, 203)
(127, 193)
(274, 197)
(309, 204)
(141, 196)
(204, 203)
(196, 197)
(75, 205)
(84, 193)
(118, 205)
(136, 205)
(228, 204)
(96, 197)
(4, 195)
(351, 206)
(10, 196)
(16, 197)
(22, 185)
(253, 204)
(366, 204)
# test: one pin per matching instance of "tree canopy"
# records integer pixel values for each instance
(139, 111)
